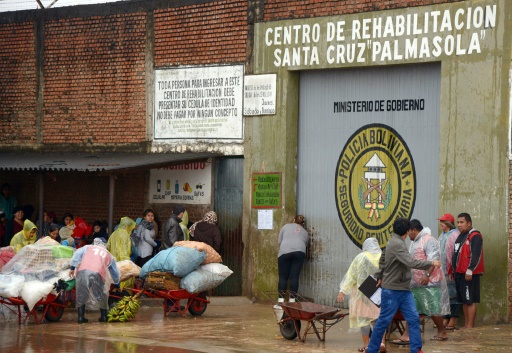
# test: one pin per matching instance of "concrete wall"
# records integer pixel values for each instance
(474, 167)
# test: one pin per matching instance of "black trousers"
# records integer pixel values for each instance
(289, 267)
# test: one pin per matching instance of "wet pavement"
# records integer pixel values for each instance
(222, 328)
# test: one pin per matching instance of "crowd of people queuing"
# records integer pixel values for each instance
(137, 240)
(434, 277)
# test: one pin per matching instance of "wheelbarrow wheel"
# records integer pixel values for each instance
(54, 313)
(197, 307)
(288, 328)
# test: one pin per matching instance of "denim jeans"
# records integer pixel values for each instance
(391, 301)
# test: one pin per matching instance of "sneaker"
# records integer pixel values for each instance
(292, 300)
(278, 307)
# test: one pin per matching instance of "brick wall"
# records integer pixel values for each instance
(201, 34)
(284, 9)
(94, 79)
(17, 84)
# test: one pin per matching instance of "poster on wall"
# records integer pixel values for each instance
(188, 183)
(260, 94)
(266, 190)
(199, 102)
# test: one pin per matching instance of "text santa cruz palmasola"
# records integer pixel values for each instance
(382, 38)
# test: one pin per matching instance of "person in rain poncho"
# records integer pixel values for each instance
(25, 237)
(120, 245)
(446, 241)
(184, 226)
(428, 287)
(363, 312)
(92, 279)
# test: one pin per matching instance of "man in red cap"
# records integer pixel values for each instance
(449, 234)
(467, 267)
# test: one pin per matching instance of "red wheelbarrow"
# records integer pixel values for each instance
(319, 318)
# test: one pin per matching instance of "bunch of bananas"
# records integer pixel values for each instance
(125, 309)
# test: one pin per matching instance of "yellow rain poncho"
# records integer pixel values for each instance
(362, 310)
(120, 245)
(25, 237)
(184, 226)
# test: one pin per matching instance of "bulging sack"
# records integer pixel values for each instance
(200, 280)
(179, 261)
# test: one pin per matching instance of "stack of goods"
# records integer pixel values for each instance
(195, 266)
(33, 271)
(125, 309)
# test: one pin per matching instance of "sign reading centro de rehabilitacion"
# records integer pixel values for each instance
(384, 37)
(266, 190)
(375, 183)
(199, 102)
(188, 183)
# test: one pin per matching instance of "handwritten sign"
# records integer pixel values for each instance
(266, 190)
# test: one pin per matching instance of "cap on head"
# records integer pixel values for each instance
(178, 209)
(447, 217)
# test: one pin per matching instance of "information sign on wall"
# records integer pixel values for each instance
(199, 102)
(188, 183)
(266, 190)
(260, 94)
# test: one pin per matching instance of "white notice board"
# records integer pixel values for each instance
(260, 94)
(199, 102)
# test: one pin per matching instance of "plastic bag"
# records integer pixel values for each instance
(11, 285)
(127, 269)
(33, 291)
(219, 269)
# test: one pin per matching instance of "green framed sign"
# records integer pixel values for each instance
(266, 190)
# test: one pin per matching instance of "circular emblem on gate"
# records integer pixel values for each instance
(375, 183)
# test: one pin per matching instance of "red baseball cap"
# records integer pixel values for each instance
(447, 217)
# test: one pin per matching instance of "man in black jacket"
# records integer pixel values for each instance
(172, 231)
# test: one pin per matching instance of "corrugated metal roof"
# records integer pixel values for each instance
(91, 162)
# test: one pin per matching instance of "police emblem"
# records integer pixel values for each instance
(375, 183)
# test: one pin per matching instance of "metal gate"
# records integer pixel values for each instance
(228, 205)
(368, 152)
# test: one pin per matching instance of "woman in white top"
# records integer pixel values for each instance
(146, 238)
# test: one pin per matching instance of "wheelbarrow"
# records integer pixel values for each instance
(319, 318)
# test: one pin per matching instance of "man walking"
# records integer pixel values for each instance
(395, 277)
(467, 267)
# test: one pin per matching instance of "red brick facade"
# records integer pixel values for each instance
(201, 34)
(17, 84)
(94, 80)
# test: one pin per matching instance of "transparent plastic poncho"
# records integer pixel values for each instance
(362, 310)
(93, 276)
(432, 298)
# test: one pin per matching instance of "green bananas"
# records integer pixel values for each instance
(125, 309)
